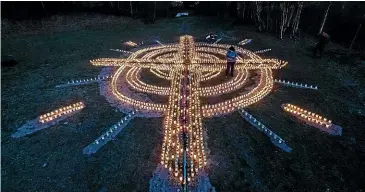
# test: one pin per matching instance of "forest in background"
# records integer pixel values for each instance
(343, 21)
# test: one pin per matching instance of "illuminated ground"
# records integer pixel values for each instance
(243, 157)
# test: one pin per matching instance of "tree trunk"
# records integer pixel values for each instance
(324, 18)
(243, 10)
(111, 4)
(154, 12)
(130, 4)
(296, 20)
(291, 9)
(267, 16)
(167, 8)
(358, 29)
(271, 20)
(44, 8)
(258, 9)
(238, 9)
(284, 16)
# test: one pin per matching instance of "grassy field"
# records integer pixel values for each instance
(240, 158)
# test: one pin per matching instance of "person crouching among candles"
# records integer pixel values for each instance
(231, 57)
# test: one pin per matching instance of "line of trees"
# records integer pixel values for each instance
(342, 20)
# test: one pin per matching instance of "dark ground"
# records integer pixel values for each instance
(241, 158)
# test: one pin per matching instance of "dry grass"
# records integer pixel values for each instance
(64, 23)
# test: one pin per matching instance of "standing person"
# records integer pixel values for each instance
(324, 39)
(231, 57)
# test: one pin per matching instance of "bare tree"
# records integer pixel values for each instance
(44, 8)
(295, 23)
(238, 9)
(284, 15)
(324, 18)
(243, 10)
(130, 4)
(358, 29)
(258, 10)
(291, 11)
(154, 11)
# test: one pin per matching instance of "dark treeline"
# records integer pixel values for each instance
(343, 21)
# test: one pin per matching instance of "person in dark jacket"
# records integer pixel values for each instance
(231, 57)
(324, 39)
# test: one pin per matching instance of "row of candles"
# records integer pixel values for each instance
(247, 63)
(90, 79)
(232, 84)
(53, 115)
(245, 42)
(261, 126)
(195, 128)
(130, 43)
(256, 94)
(216, 51)
(307, 115)
(121, 61)
(141, 52)
(206, 55)
(296, 84)
(160, 74)
(209, 75)
(106, 136)
(154, 53)
(263, 51)
(120, 51)
(179, 118)
(223, 48)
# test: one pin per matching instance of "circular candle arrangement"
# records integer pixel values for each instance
(185, 66)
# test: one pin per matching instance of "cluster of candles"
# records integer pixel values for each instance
(263, 51)
(137, 84)
(307, 115)
(183, 122)
(130, 43)
(89, 80)
(133, 102)
(232, 84)
(256, 94)
(109, 133)
(296, 84)
(45, 118)
(121, 51)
